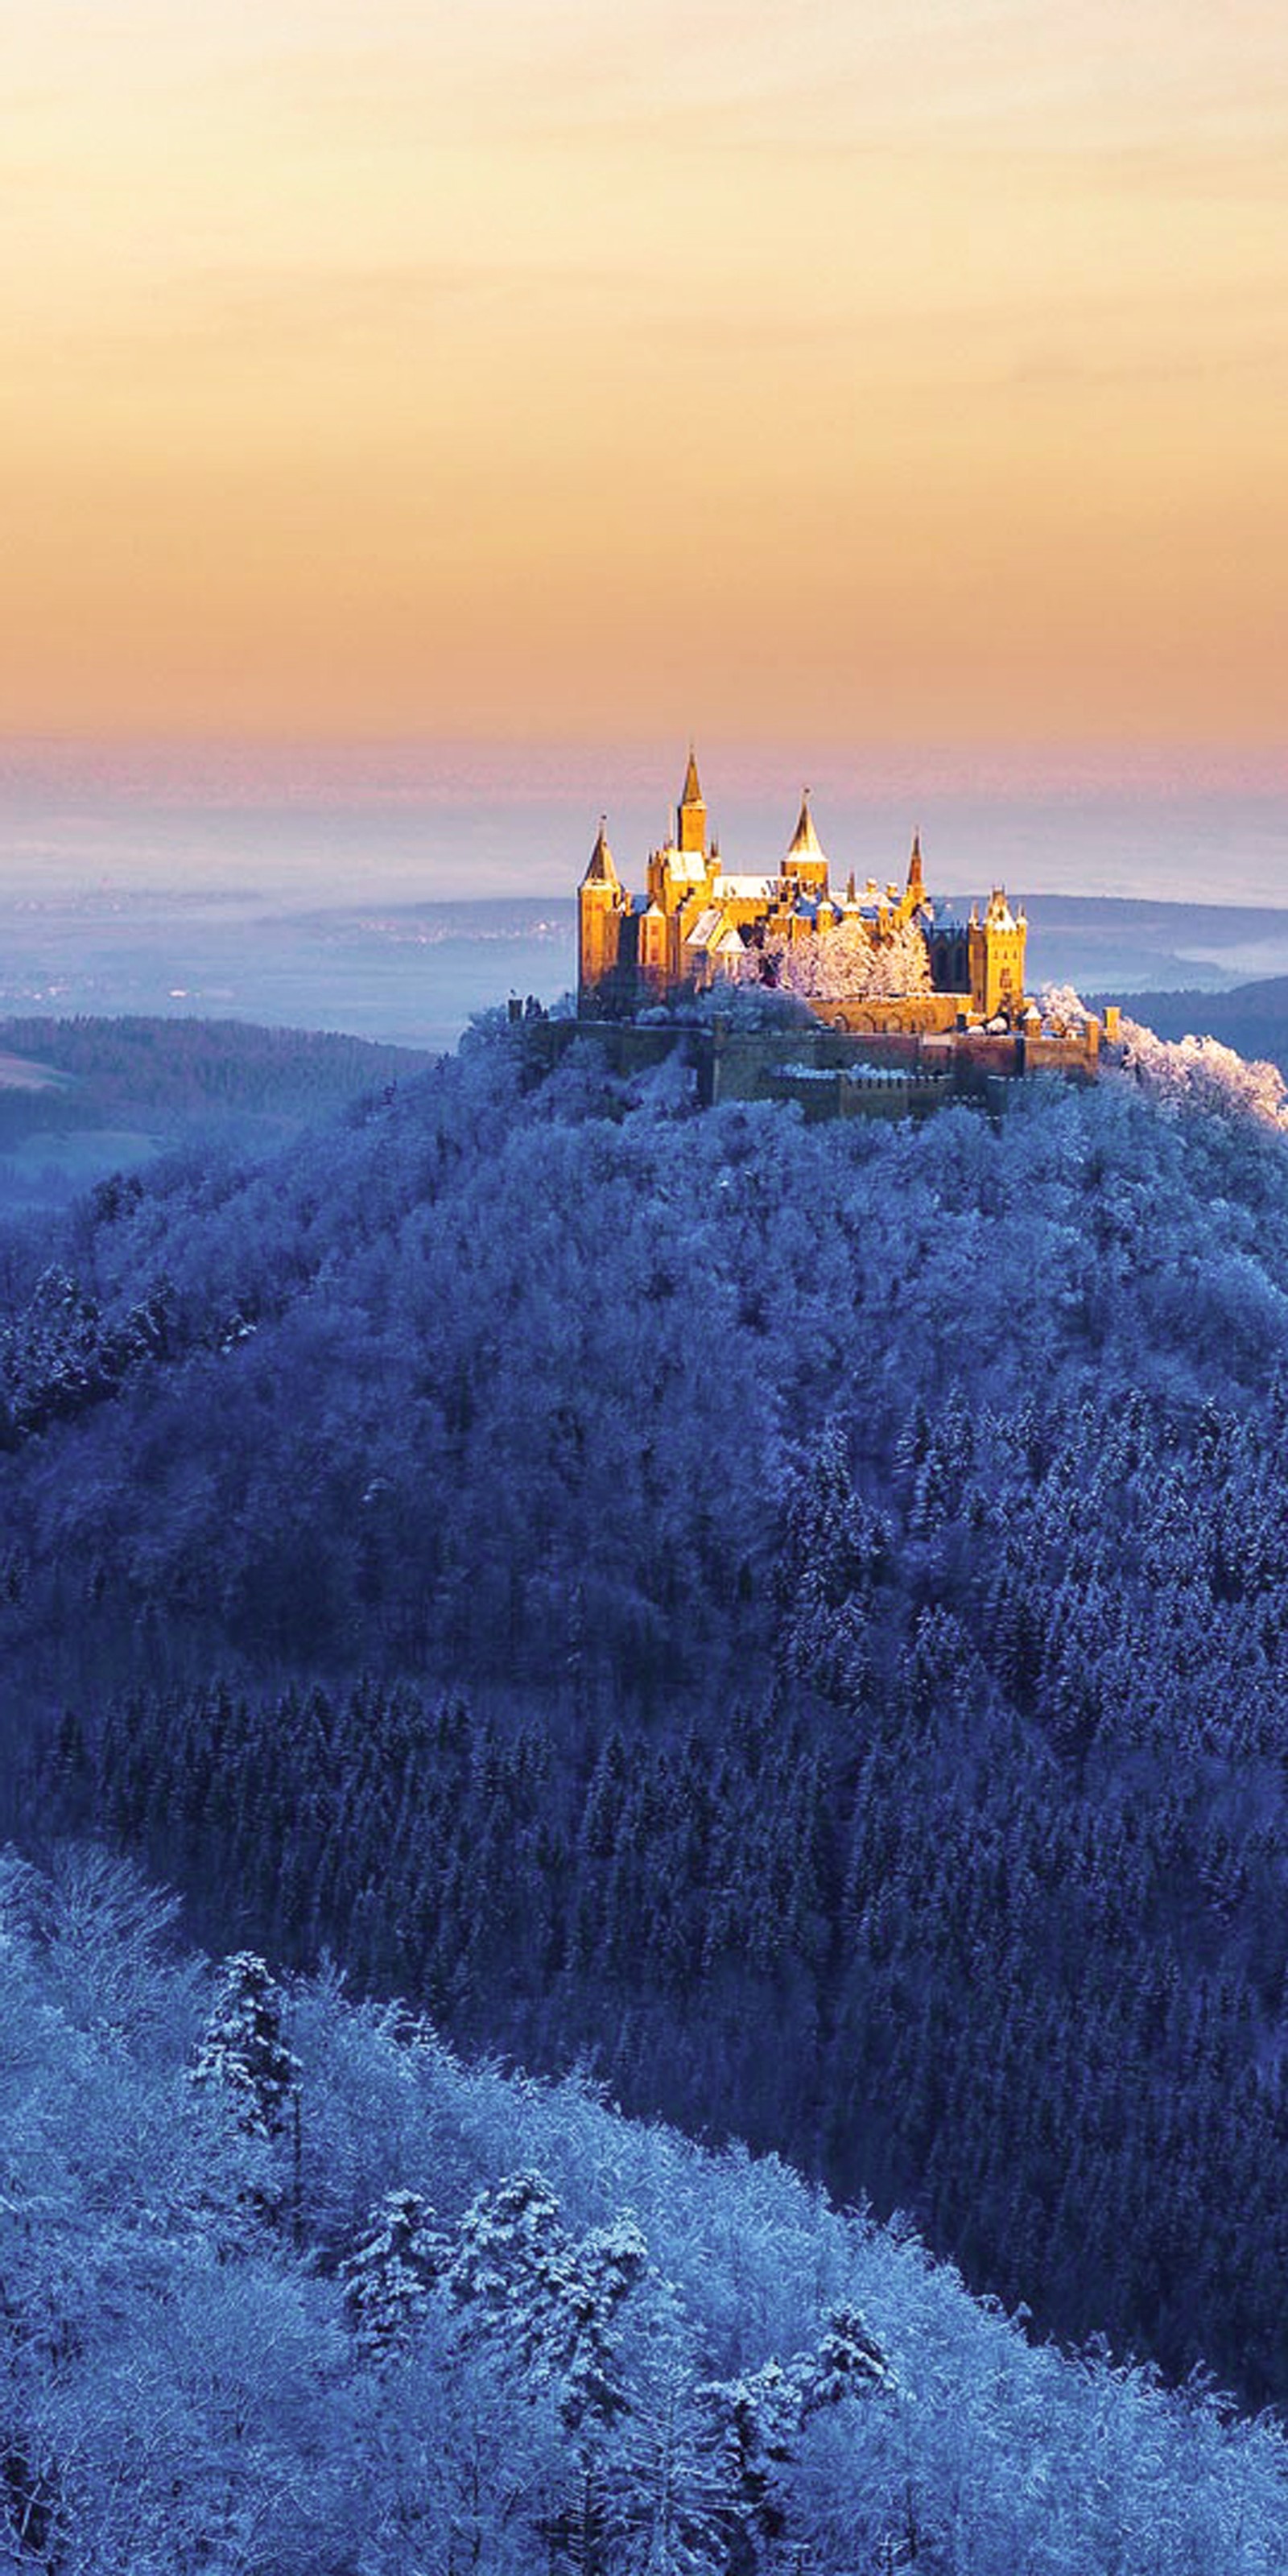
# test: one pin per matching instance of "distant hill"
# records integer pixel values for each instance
(1117, 945)
(1251, 1018)
(81, 1098)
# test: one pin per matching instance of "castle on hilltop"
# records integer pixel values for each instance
(876, 961)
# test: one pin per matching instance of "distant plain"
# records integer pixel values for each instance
(395, 915)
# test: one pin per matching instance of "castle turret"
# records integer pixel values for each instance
(603, 908)
(996, 946)
(805, 866)
(691, 815)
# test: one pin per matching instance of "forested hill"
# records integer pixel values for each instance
(87, 1100)
(1251, 1017)
(797, 1617)
(289, 2291)
(181, 1069)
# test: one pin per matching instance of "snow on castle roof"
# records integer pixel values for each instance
(805, 843)
(688, 865)
(705, 928)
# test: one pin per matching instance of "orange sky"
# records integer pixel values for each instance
(540, 370)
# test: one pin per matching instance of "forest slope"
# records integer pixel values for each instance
(637, 1582)
(287, 2288)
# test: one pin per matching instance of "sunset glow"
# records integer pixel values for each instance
(550, 372)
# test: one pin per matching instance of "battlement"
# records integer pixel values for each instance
(828, 1072)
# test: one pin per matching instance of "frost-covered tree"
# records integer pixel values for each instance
(455, 2465)
(661, 2477)
(831, 1533)
(1203, 1074)
(517, 2274)
(108, 1933)
(242, 2056)
(849, 2362)
(757, 2421)
(389, 2277)
(849, 964)
(754, 2423)
(1062, 1006)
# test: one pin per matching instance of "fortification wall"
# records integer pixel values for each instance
(832, 1072)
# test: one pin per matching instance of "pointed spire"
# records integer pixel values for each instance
(916, 883)
(601, 870)
(691, 819)
(805, 843)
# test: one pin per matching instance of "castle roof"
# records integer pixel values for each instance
(706, 928)
(743, 889)
(600, 870)
(688, 866)
(691, 793)
(805, 843)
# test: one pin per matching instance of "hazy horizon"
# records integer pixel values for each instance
(321, 823)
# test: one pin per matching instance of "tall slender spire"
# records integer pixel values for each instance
(916, 882)
(691, 820)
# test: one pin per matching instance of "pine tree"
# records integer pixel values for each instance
(754, 2423)
(848, 2363)
(242, 2055)
(521, 2280)
(389, 2277)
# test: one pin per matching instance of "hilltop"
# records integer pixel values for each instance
(629, 1581)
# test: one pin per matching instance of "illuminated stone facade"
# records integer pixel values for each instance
(877, 960)
(699, 922)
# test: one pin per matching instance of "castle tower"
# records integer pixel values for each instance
(805, 866)
(691, 814)
(996, 948)
(916, 894)
(603, 907)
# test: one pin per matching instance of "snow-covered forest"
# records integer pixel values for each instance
(789, 1620)
(287, 2288)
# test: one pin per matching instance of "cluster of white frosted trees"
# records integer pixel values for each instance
(848, 965)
